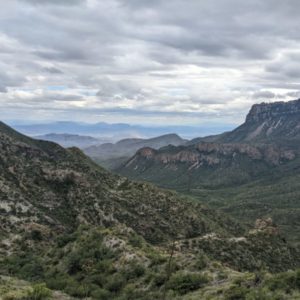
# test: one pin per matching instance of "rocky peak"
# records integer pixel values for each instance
(265, 111)
(277, 123)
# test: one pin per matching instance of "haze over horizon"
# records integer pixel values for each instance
(146, 62)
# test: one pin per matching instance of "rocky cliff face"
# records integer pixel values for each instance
(266, 111)
(209, 154)
(277, 122)
(208, 164)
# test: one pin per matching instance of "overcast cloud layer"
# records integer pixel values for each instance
(141, 61)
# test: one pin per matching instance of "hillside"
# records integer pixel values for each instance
(113, 155)
(62, 186)
(68, 223)
(269, 137)
(205, 164)
(254, 168)
(277, 122)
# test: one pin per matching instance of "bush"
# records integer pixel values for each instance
(134, 271)
(135, 241)
(201, 262)
(159, 279)
(101, 294)
(77, 290)
(74, 263)
(285, 281)
(38, 292)
(186, 282)
(115, 283)
(236, 293)
(36, 235)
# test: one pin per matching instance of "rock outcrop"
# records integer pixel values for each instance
(276, 122)
(211, 154)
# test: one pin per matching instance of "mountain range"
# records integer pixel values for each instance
(268, 138)
(117, 131)
(69, 228)
(112, 155)
(71, 140)
(248, 172)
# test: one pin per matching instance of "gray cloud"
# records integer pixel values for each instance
(52, 70)
(9, 80)
(264, 95)
(53, 2)
(116, 90)
(169, 57)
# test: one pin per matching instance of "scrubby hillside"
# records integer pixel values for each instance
(72, 226)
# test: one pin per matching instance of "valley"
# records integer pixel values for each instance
(70, 228)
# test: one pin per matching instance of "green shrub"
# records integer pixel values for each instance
(77, 290)
(38, 292)
(259, 294)
(201, 262)
(134, 271)
(236, 293)
(159, 279)
(101, 294)
(36, 235)
(285, 281)
(185, 282)
(135, 241)
(74, 263)
(115, 283)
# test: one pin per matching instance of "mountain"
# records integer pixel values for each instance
(254, 168)
(70, 140)
(64, 187)
(268, 139)
(67, 224)
(277, 122)
(113, 155)
(205, 164)
(117, 131)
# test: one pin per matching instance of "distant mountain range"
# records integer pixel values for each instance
(71, 140)
(115, 132)
(112, 155)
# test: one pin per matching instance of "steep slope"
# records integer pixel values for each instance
(44, 182)
(274, 194)
(112, 155)
(69, 223)
(277, 122)
(205, 164)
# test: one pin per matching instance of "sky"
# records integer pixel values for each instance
(156, 62)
